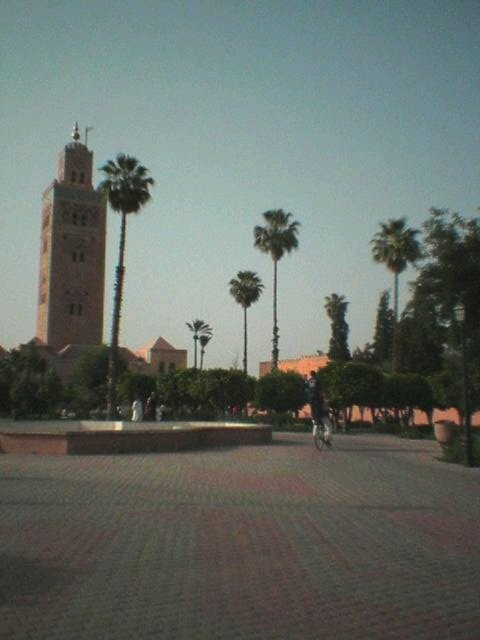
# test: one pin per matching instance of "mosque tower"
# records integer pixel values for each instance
(72, 253)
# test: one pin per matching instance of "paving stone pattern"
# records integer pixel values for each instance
(372, 539)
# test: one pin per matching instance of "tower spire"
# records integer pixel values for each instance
(72, 253)
(76, 132)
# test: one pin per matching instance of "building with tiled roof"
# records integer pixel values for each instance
(159, 356)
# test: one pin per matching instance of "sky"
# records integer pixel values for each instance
(344, 113)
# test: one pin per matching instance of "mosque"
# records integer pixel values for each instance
(71, 284)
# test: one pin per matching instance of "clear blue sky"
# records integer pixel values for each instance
(344, 113)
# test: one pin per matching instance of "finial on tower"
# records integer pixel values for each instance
(76, 133)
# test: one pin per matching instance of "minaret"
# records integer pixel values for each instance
(72, 253)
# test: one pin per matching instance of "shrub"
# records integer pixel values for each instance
(455, 453)
(359, 425)
(414, 433)
(387, 427)
(281, 391)
(282, 421)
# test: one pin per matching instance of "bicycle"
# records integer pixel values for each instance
(322, 433)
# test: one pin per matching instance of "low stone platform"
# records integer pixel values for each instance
(92, 437)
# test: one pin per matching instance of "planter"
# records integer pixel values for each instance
(445, 432)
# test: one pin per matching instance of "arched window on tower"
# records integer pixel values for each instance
(73, 176)
(75, 309)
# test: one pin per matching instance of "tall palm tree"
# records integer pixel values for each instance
(246, 288)
(204, 339)
(279, 235)
(198, 328)
(396, 246)
(126, 185)
(336, 308)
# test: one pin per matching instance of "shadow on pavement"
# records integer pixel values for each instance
(24, 580)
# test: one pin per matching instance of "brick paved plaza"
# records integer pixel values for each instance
(373, 539)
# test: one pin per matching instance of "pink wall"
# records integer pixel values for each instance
(305, 364)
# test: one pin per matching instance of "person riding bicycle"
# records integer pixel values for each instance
(316, 400)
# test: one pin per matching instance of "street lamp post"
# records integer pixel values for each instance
(459, 312)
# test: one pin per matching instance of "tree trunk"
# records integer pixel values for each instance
(195, 343)
(395, 325)
(275, 351)
(245, 340)
(114, 338)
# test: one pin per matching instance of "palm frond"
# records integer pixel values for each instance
(126, 184)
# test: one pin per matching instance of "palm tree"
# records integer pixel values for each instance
(126, 185)
(204, 339)
(336, 307)
(277, 237)
(396, 246)
(198, 328)
(246, 288)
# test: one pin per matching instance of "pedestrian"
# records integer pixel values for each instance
(161, 408)
(150, 407)
(315, 396)
(137, 410)
(318, 409)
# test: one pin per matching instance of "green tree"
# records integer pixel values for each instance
(191, 392)
(246, 289)
(135, 385)
(352, 384)
(279, 235)
(34, 389)
(447, 384)
(451, 275)
(362, 386)
(6, 378)
(204, 339)
(50, 391)
(198, 328)
(405, 392)
(126, 185)
(421, 336)
(89, 389)
(383, 337)
(364, 355)
(396, 246)
(23, 394)
(91, 369)
(281, 391)
(177, 390)
(331, 383)
(336, 307)
(5, 401)
(222, 389)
